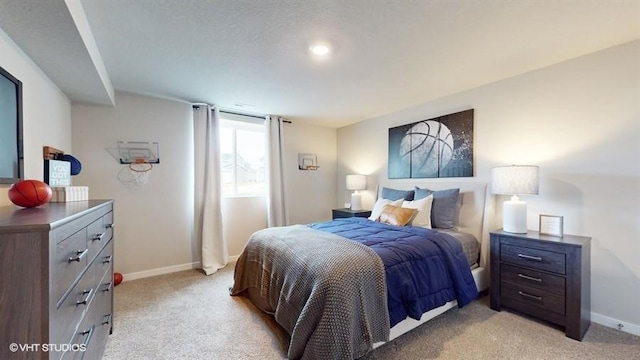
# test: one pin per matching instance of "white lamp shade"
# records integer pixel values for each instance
(356, 182)
(514, 180)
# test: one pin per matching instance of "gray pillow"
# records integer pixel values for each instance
(444, 207)
(393, 194)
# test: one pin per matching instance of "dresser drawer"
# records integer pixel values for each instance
(533, 258)
(71, 309)
(103, 262)
(104, 310)
(92, 332)
(534, 279)
(99, 233)
(81, 341)
(70, 260)
(514, 294)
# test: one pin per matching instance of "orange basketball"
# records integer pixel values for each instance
(29, 193)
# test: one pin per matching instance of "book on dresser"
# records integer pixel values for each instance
(56, 280)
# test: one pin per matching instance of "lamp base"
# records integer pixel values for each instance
(356, 201)
(514, 216)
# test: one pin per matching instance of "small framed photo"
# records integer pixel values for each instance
(551, 225)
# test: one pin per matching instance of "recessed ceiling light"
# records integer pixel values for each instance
(320, 49)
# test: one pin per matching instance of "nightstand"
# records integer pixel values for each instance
(346, 213)
(543, 276)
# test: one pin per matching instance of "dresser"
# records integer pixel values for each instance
(56, 287)
(345, 213)
(543, 276)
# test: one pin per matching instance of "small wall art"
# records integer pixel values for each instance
(433, 148)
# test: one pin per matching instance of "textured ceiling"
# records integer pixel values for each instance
(387, 55)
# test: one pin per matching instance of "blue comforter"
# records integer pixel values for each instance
(424, 268)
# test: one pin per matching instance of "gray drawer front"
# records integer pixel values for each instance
(526, 277)
(514, 294)
(533, 258)
(71, 310)
(103, 262)
(70, 260)
(95, 326)
(103, 305)
(82, 338)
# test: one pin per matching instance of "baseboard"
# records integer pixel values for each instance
(168, 270)
(160, 271)
(615, 324)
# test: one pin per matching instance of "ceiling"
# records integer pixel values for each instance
(252, 56)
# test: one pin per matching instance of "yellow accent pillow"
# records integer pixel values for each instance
(394, 215)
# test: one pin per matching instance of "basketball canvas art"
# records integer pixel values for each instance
(439, 147)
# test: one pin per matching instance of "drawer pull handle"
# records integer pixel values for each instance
(107, 287)
(529, 257)
(98, 237)
(107, 259)
(527, 277)
(109, 226)
(80, 254)
(85, 300)
(539, 298)
(107, 320)
(88, 334)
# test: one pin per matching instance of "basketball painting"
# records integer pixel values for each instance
(439, 147)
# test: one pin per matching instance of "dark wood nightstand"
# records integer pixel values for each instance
(543, 276)
(346, 213)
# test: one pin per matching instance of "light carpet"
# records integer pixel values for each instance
(188, 315)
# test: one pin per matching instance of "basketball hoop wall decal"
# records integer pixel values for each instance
(439, 147)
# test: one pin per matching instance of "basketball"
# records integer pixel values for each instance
(29, 193)
(117, 278)
(427, 147)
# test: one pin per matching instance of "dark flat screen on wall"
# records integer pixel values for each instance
(11, 157)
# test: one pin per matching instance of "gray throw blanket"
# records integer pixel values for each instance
(327, 292)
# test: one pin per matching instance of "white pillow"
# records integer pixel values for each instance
(380, 204)
(423, 217)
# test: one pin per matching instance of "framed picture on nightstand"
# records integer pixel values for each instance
(550, 225)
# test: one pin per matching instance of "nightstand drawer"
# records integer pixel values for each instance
(533, 279)
(533, 258)
(515, 294)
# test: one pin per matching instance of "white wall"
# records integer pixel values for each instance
(310, 194)
(46, 111)
(580, 122)
(242, 216)
(153, 224)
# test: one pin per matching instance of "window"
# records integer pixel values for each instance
(242, 144)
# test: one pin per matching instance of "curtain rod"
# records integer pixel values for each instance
(241, 114)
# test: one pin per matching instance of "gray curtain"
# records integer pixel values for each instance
(277, 211)
(208, 189)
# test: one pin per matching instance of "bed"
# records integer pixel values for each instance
(340, 288)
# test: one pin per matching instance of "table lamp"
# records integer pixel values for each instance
(356, 182)
(514, 180)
